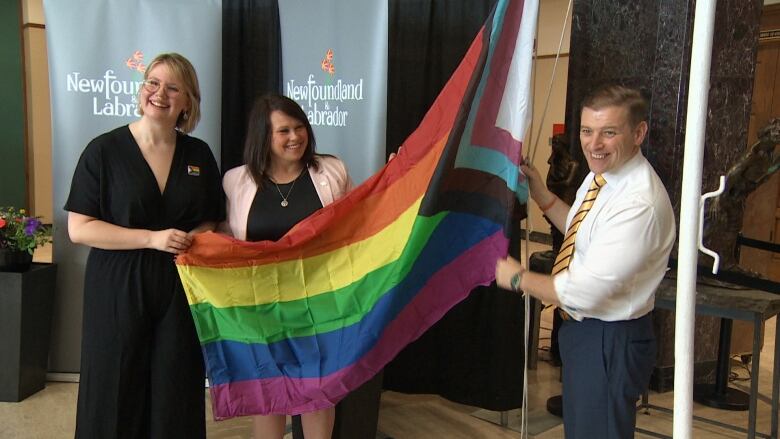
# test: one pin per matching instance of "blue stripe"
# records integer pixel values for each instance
(323, 354)
(493, 162)
(498, 24)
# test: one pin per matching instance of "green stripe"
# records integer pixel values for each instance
(328, 312)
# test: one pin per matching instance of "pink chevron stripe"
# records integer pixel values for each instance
(273, 396)
(486, 134)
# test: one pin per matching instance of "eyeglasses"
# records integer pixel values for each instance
(152, 85)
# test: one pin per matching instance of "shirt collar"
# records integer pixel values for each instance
(615, 176)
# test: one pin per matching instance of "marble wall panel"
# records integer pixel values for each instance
(647, 44)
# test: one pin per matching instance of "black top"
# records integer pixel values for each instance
(268, 220)
(112, 182)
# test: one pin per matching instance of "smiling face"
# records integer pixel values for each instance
(608, 139)
(163, 97)
(289, 137)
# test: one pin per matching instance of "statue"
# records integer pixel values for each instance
(723, 217)
(562, 178)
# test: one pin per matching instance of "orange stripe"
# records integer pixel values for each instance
(388, 195)
(417, 158)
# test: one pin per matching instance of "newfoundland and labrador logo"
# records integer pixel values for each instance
(327, 65)
(113, 93)
(318, 99)
(136, 62)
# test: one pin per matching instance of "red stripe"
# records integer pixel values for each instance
(328, 229)
(334, 226)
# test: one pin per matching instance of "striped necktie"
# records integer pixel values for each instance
(567, 248)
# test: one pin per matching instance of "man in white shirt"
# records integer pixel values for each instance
(606, 274)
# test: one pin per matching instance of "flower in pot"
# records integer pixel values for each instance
(20, 235)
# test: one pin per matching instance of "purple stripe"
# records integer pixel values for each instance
(272, 396)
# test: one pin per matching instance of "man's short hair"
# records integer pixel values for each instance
(618, 96)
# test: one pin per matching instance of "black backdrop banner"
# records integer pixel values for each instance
(474, 354)
(426, 41)
(251, 66)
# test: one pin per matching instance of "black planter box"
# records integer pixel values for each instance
(26, 303)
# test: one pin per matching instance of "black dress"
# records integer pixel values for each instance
(141, 366)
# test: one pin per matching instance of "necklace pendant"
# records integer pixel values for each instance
(284, 203)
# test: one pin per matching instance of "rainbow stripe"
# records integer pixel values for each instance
(295, 325)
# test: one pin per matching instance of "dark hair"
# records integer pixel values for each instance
(259, 134)
(184, 72)
(618, 96)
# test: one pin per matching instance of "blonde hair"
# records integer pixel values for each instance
(184, 72)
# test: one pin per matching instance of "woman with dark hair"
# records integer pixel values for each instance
(139, 192)
(283, 181)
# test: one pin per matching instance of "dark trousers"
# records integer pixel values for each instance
(606, 367)
(141, 364)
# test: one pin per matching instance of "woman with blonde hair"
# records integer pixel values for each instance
(139, 193)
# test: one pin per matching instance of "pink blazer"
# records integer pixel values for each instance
(331, 181)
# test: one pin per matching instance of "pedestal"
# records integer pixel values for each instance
(719, 299)
(719, 394)
(26, 303)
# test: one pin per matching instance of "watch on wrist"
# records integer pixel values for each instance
(515, 281)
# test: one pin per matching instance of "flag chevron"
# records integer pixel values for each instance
(294, 325)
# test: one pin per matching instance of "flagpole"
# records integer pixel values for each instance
(696, 123)
(532, 153)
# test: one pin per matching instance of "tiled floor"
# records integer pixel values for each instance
(50, 414)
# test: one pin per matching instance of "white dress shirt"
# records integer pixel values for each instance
(622, 246)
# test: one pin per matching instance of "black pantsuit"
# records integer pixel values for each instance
(141, 367)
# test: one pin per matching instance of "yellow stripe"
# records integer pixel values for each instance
(282, 282)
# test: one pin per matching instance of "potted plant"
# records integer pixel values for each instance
(26, 305)
(20, 235)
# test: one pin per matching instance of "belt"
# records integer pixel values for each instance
(564, 315)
